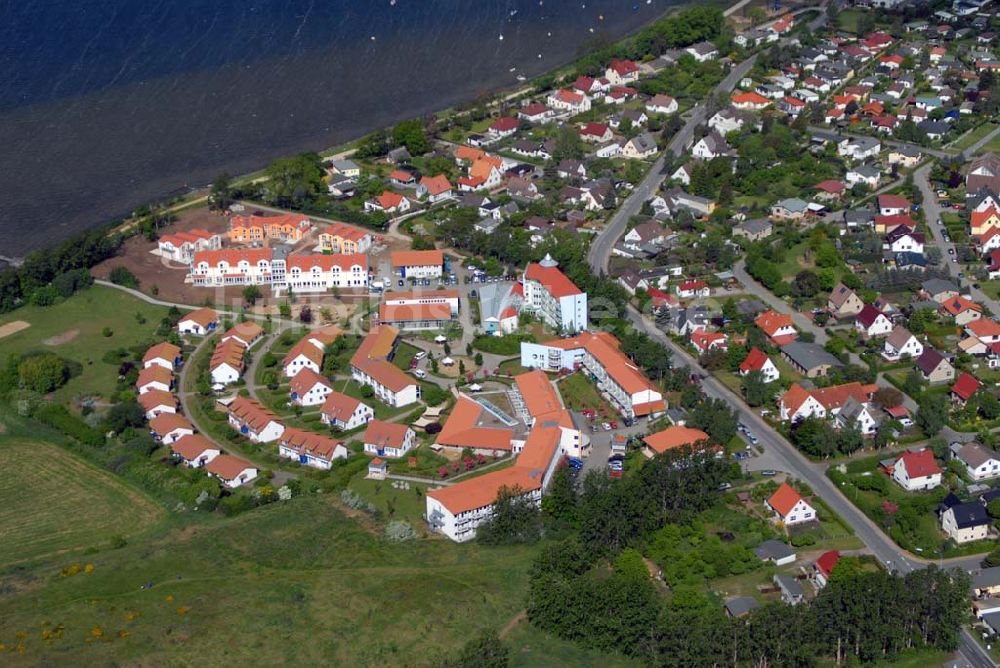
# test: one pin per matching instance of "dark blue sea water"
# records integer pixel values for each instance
(106, 104)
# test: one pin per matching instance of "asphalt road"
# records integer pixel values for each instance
(932, 214)
(600, 247)
(784, 457)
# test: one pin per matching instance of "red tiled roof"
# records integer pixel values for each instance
(919, 464)
(339, 406)
(228, 467)
(385, 434)
(784, 499)
(555, 282)
(505, 124)
(755, 360)
(674, 437)
(965, 386)
(827, 561)
(417, 258)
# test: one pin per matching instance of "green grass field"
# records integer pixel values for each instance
(73, 329)
(532, 648)
(51, 503)
(291, 583)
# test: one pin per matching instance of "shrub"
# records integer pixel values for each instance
(122, 276)
(399, 531)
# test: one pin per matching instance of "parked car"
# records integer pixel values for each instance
(769, 472)
(906, 422)
(605, 426)
(614, 425)
(400, 283)
(420, 355)
(419, 373)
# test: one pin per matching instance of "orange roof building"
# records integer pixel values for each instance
(254, 421)
(470, 426)
(672, 438)
(345, 412)
(554, 297)
(789, 507)
(232, 471)
(195, 450)
(310, 449)
(779, 327)
(372, 365)
(418, 264)
(343, 238)
(388, 439)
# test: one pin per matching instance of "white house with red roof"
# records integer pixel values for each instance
(965, 386)
(372, 365)
(757, 360)
(319, 273)
(194, 450)
(164, 354)
(622, 72)
(567, 100)
(893, 205)
(704, 341)
(590, 85)
(789, 507)
(169, 427)
(916, 470)
(871, 323)
(596, 133)
(799, 403)
(308, 388)
(310, 449)
(345, 412)
(388, 202)
(253, 421)
(824, 566)
(503, 127)
(435, 188)
(388, 439)
(750, 101)
(554, 297)
(622, 382)
(182, 246)
(232, 471)
(535, 113)
(693, 289)
(779, 327)
(199, 322)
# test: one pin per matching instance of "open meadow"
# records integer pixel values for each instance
(294, 583)
(52, 502)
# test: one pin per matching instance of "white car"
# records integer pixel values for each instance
(419, 356)
(605, 426)
(419, 373)
(906, 422)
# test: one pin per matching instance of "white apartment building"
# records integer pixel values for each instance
(550, 294)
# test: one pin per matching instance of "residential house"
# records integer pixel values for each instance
(163, 354)
(417, 264)
(435, 188)
(966, 522)
(169, 427)
(823, 568)
(199, 322)
(962, 310)
(712, 145)
(843, 302)
(789, 507)
(309, 388)
(893, 205)
(750, 101)
(154, 377)
(232, 471)
(981, 463)
(984, 172)
(757, 360)
(858, 415)
(227, 362)
(916, 470)
(778, 326)
(388, 202)
(740, 606)
(776, 552)
(182, 246)
(965, 386)
(568, 100)
(934, 367)
(157, 402)
(864, 174)
(754, 229)
(640, 147)
(310, 449)
(791, 591)
(388, 439)
(703, 341)
(703, 51)
(345, 412)
(939, 290)
(194, 450)
(798, 403)
(901, 344)
(661, 104)
(247, 333)
(791, 208)
(858, 148)
(371, 365)
(871, 323)
(693, 289)
(254, 421)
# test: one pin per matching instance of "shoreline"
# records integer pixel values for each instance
(186, 197)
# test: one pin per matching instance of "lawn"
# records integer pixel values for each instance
(512, 367)
(533, 648)
(795, 261)
(73, 329)
(405, 504)
(993, 146)
(293, 583)
(972, 137)
(54, 503)
(578, 392)
(848, 19)
(404, 354)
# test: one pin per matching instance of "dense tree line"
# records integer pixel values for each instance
(593, 587)
(62, 269)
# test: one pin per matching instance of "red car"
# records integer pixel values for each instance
(614, 425)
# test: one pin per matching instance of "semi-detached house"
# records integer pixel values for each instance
(311, 449)
(254, 421)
